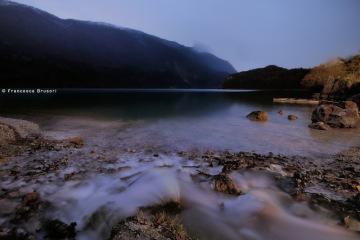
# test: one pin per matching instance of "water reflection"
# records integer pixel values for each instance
(183, 120)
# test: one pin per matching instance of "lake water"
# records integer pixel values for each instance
(173, 120)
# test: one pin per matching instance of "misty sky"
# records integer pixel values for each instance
(248, 33)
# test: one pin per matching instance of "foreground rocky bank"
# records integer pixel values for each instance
(69, 189)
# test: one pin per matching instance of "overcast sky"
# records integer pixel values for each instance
(248, 33)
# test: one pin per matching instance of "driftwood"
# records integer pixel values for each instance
(296, 101)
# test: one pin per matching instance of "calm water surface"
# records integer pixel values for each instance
(180, 120)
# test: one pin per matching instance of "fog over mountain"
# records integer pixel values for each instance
(38, 49)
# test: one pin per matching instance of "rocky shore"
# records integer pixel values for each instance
(31, 164)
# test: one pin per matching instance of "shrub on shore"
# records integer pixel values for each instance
(339, 77)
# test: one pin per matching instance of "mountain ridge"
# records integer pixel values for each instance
(110, 52)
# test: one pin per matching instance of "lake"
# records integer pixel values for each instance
(131, 159)
(176, 120)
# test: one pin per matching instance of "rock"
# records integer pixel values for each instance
(292, 117)
(7, 134)
(275, 168)
(280, 112)
(223, 183)
(159, 222)
(21, 128)
(258, 116)
(352, 224)
(354, 203)
(301, 179)
(5, 233)
(14, 194)
(15, 234)
(77, 142)
(30, 198)
(355, 99)
(337, 115)
(56, 229)
(319, 126)
(2, 159)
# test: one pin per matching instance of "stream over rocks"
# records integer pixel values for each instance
(98, 199)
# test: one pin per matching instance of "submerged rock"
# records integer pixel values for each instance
(77, 142)
(258, 116)
(319, 126)
(29, 207)
(223, 183)
(292, 117)
(30, 198)
(337, 115)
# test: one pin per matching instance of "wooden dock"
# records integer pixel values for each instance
(296, 101)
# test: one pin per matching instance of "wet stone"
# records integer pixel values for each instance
(77, 142)
(223, 183)
(319, 126)
(14, 194)
(30, 198)
(15, 234)
(352, 224)
(259, 116)
(292, 117)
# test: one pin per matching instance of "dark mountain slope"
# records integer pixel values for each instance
(39, 49)
(270, 77)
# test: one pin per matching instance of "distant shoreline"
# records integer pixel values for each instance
(30, 91)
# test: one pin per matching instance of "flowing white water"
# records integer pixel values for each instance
(263, 212)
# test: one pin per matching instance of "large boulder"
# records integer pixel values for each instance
(258, 116)
(337, 114)
(13, 129)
